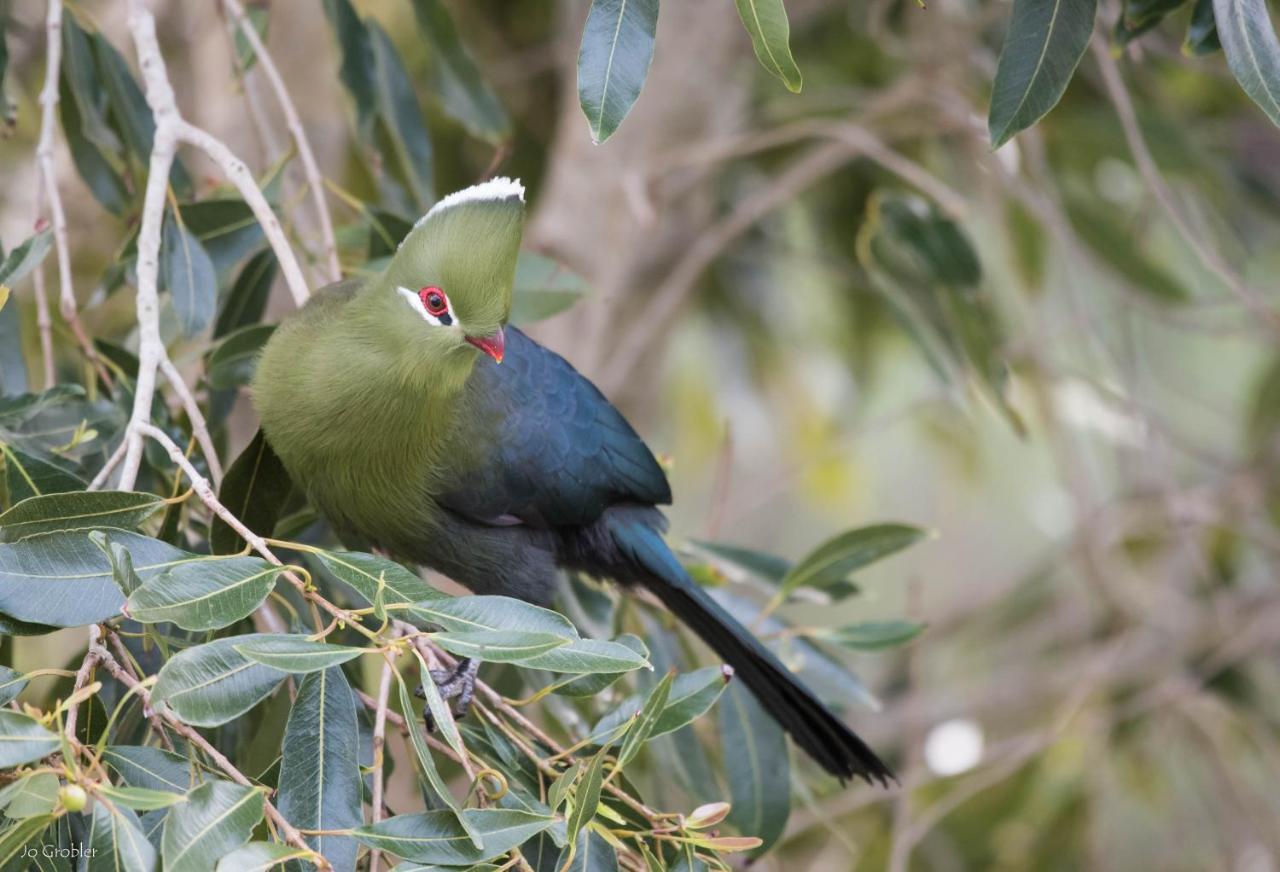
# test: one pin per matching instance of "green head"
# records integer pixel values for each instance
(447, 292)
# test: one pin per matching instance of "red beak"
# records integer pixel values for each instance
(494, 345)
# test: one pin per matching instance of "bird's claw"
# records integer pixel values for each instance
(457, 685)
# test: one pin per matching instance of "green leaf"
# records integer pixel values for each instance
(34, 795)
(592, 853)
(1045, 42)
(205, 594)
(188, 274)
(499, 646)
(25, 257)
(1202, 31)
(319, 773)
(871, 635)
(77, 511)
(418, 741)
(366, 573)
(226, 227)
(757, 767)
(129, 112)
(766, 22)
(13, 365)
(27, 475)
(141, 798)
(437, 836)
(296, 653)
(357, 67)
(246, 302)
(646, 721)
(258, 857)
(64, 580)
(765, 566)
(543, 287)
(437, 708)
(122, 571)
(590, 656)
(586, 799)
(12, 683)
(23, 739)
(232, 361)
(1253, 53)
(117, 842)
(213, 683)
(690, 697)
(17, 837)
(407, 144)
(461, 89)
(613, 60)
(152, 768)
(590, 684)
(217, 818)
(848, 552)
(478, 613)
(255, 490)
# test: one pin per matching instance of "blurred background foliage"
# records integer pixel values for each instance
(825, 309)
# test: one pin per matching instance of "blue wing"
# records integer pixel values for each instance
(536, 443)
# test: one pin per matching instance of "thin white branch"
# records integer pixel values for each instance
(294, 123)
(199, 427)
(170, 130)
(239, 175)
(379, 743)
(47, 193)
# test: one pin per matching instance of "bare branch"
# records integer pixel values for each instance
(294, 123)
(379, 741)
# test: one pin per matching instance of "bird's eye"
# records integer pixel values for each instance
(434, 301)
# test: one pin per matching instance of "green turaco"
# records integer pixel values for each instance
(416, 420)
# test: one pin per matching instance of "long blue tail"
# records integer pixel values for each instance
(813, 726)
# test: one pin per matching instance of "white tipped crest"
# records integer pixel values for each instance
(500, 188)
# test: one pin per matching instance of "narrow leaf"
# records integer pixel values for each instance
(766, 22)
(757, 766)
(1045, 42)
(217, 818)
(319, 773)
(152, 768)
(613, 60)
(23, 739)
(1253, 53)
(213, 683)
(255, 490)
(848, 552)
(296, 653)
(205, 594)
(461, 89)
(871, 635)
(77, 511)
(437, 837)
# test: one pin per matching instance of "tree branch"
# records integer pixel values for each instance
(296, 130)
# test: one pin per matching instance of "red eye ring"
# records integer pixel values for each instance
(434, 300)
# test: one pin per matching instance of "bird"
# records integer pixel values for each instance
(415, 419)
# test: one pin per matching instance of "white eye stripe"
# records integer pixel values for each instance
(415, 302)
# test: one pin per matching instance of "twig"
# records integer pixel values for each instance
(199, 427)
(294, 123)
(204, 491)
(47, 192)
(170, 130)
(379, 741)
(82, 678)
(1150, 172)
(287, 830)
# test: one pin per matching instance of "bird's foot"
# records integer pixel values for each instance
(457, 685)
